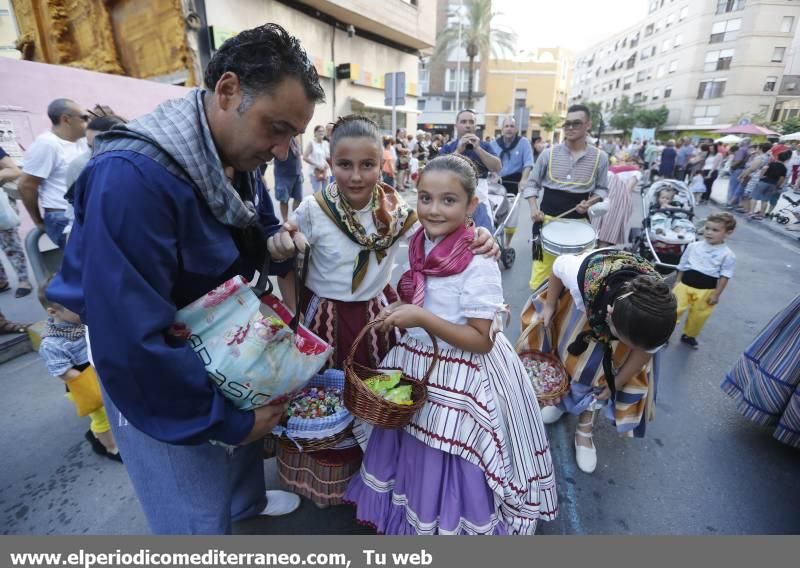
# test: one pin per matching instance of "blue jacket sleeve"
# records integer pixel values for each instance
(270, 224)
(129, 267)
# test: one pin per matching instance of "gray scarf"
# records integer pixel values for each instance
(176, 135)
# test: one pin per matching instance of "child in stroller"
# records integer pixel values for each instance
(667, 228)
(505, 213)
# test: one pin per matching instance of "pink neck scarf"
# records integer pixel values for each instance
(449, 256)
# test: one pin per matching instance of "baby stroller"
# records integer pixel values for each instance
(667, 228)
(784, 216)
(505, 212)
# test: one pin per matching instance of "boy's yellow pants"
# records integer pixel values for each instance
(696, 302)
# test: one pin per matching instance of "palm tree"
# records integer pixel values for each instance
(478, 36)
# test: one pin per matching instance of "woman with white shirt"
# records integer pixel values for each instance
(711, 167)
(317, 155)
(617, 314)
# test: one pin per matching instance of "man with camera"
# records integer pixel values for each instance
(468, 144)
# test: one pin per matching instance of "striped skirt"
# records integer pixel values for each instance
(634, 406)
(613, 226)
(481, 416)
(765, 383)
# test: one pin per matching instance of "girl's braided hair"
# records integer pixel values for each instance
(461, 166)
(355, 126)
(645, 311)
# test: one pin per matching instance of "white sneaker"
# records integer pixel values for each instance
(280, 503)
(585, 457)
(551, 414)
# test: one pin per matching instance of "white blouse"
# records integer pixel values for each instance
(333, 256)
(477, 293)
(566, 268)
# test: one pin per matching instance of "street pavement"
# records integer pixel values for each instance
(702, 469)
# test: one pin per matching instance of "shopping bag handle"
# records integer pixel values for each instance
(263, 285)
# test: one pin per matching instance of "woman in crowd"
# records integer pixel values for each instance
(317, 155)
(711, 167)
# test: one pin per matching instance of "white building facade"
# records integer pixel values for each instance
(710, 62)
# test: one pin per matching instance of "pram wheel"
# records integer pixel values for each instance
(507, 257)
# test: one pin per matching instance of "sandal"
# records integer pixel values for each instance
(7, 327)
(23, 290)
(586, 458)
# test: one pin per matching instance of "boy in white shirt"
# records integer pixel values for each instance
(703, 272)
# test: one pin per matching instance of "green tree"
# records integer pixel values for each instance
(788, 126)
(624, 117)
(598, 120)
(479, 36)
(655, 118)
(550, 121)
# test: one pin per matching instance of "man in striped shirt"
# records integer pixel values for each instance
(566, 176)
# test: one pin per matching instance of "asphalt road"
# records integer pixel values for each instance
(702, 469)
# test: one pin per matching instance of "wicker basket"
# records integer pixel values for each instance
(552, 396)
(545, 398)
(313, 444)
(362, 402)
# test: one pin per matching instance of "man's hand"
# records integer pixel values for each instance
(266, 418)
(537, 216)
(287, 242)
(713, 299)
(583, 207)
(467, 139)
(484, 244)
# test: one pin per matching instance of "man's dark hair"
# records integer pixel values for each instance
(765, 147)
(104, 123)
(261, 58)
(57, 109)
(462, 111)
(581, 108)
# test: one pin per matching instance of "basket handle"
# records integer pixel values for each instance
(535, 322)
(375, 323)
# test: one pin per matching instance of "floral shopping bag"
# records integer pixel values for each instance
(252, 346)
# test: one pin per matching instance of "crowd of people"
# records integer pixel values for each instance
(171, 205)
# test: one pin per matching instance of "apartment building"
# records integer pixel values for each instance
(443, 85)
(527, 87)
(710, 62)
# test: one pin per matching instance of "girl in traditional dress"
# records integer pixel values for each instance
(355, 227)
(475, 458)
(617, 314)
(765, 383)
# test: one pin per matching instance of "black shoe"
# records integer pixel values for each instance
(97, 445)
(690, 341)
(114, 457)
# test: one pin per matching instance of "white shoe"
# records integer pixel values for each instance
(280, 503)
(585, 457)
(551, 414)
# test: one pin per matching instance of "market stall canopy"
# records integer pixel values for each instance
(790, 137)
(729, 139)
(749, 129)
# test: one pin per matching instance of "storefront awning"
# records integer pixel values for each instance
(358, 102)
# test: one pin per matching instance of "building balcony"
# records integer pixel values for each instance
(411, 23)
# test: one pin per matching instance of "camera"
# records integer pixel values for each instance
(351, 30)
(469, 146)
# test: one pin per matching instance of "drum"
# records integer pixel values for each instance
(568, 236)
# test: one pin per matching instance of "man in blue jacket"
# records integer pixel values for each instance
(164, 212)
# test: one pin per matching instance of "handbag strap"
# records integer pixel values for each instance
(263, 285)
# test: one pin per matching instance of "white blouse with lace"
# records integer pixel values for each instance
(476, 293)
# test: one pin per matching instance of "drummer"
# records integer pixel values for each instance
(570, 174)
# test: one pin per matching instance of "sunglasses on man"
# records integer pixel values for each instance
(573, 124)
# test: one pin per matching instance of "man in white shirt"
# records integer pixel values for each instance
(43, 183)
